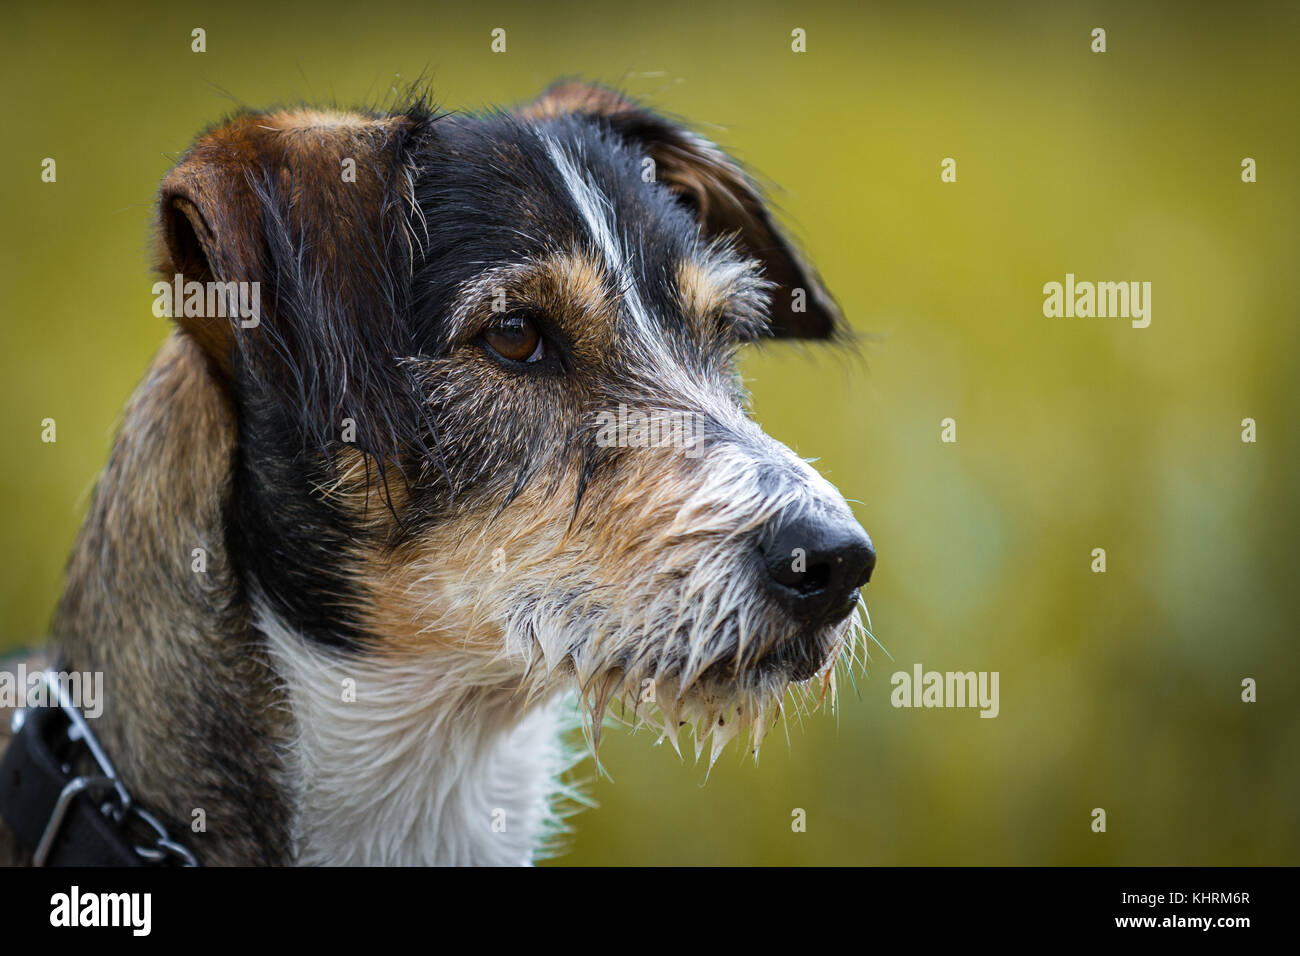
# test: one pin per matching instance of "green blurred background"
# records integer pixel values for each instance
(1118, 690)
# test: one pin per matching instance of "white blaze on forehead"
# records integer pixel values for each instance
(598, 214)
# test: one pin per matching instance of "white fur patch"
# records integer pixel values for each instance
(421, 768)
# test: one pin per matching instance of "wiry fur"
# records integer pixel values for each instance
(651, 582)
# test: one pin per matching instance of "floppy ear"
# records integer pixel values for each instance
(269, 187)
(314, 208)
(725, 200)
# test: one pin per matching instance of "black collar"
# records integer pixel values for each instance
(65, 818)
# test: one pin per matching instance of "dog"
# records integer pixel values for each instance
(356, 550)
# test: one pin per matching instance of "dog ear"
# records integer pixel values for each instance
(318, 209)
(724, 199)
(270, 198)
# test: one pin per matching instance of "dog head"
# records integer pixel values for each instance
(489, 414)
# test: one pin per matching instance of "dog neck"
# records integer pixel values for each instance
(248, 740)
(398, 760)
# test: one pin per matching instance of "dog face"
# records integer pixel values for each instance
(529, 322)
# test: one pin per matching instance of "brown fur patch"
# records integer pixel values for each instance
(575, 97)
(701, 292)
(445, 588)
(359, 488)
(569, 287)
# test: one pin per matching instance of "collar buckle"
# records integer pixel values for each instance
(118, 806)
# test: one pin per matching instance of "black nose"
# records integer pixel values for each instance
(815, 564)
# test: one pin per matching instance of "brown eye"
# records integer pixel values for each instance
(515, 337)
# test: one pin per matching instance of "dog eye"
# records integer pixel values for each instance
(515, 338)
